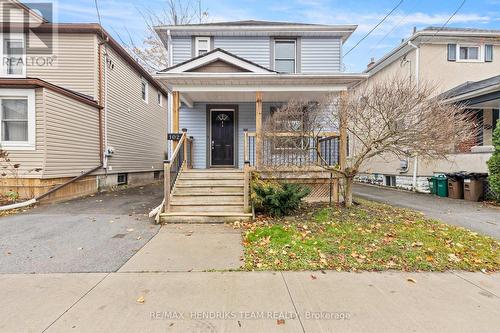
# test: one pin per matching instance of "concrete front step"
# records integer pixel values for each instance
(213, 217)
(175, 208)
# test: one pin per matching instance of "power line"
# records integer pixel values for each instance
(375, 27)
(447, 21)
(390, 32)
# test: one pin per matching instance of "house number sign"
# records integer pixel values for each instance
(174, 136)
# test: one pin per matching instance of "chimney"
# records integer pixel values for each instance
(372, 62)
(414, 30)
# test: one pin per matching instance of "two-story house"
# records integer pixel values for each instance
(449, 59)
(74, 103)
(226, 78)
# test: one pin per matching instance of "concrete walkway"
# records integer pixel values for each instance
(189, 248)
(250, 302)
(471, 215)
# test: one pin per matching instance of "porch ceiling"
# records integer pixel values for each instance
(242, 87)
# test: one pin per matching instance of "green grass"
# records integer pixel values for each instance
(371, 237)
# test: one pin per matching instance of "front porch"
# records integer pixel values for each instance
(222, 117)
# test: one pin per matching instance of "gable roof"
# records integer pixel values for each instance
(471, 87)
(214, 55)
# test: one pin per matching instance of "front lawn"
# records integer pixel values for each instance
(370, 236)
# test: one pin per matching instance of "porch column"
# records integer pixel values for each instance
(258, 129)
(175, 115)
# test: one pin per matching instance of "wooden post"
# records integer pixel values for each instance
(258, 129)
(166, 189)
(185, 152)
(175, 115)
(246, 188)
(245, 145)
(191, 152)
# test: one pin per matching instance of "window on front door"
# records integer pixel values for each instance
(284, 56)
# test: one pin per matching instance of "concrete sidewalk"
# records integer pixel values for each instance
(250, 302)
(471, 215)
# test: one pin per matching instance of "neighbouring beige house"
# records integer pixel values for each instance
(74, 103)
(447, 58)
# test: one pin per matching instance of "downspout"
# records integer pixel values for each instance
(417, 68)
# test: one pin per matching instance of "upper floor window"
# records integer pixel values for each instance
(470, 52)
(202, 45)
(17, 117)
(160, 102)
(144, 90)
(285, 55)
(13, 55)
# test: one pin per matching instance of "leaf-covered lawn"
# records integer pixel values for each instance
(370, 236)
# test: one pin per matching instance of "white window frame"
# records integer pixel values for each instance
(3, 69)
(160, 98)
(146, 87)
(295, 52)
(28, 94)
(197, 43)
(480, 53)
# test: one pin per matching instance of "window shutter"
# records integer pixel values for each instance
(488, 53)
(452, 52)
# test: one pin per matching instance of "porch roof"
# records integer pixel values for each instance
(241, 87)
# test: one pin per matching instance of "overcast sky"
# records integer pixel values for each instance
(121, 17)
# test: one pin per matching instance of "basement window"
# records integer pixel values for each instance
(390, 181)
(156, 175)
(122, 179)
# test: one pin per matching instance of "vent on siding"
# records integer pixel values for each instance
(156, 175)
(122, 179)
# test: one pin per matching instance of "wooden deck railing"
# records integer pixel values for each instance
(291, 150)
(181, 159)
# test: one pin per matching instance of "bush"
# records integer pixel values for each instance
(494, 164)
(277, 198)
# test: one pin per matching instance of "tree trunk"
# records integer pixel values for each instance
(348, 182)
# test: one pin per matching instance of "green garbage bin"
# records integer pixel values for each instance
(442, 186)
(432, 184)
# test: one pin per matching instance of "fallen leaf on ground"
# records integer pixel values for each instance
(141, 300)
(280, 321)
(80, 248)
(411, 280)
(130, 229)
(313, 277)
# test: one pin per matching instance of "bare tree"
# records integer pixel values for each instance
(152, 53)
(392, 117)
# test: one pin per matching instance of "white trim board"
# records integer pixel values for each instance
(217, 55)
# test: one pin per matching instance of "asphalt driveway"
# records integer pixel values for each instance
(93, 234)
(471, 215)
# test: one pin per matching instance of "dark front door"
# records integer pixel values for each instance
(222, 137)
